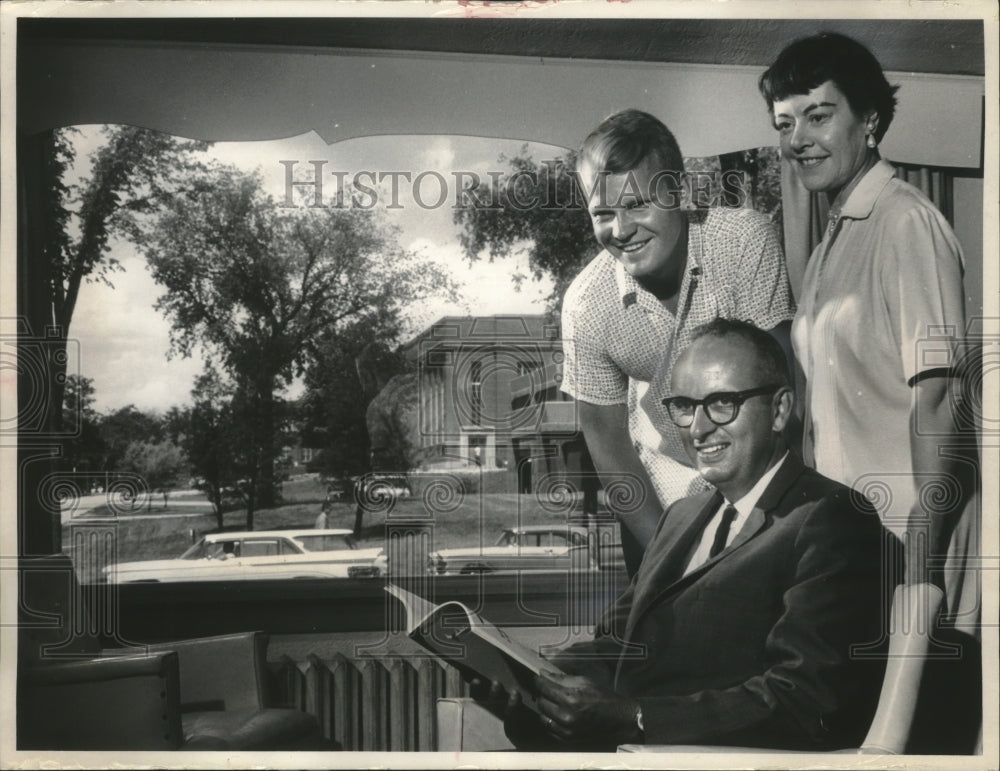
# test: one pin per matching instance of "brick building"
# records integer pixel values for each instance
(489, 395)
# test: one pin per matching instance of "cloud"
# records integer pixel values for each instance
(124, 341)
(486, 288)
(439, 156)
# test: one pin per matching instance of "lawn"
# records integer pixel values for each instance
(163, 533)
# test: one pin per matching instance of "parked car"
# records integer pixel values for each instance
(259, 554)
(535, 548)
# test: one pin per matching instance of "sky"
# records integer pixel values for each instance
(124, 342)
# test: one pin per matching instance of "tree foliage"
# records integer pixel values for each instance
(215, 439)
(132, 173)
(162, 465)
(83, 446)
(206, 432)
(536, 208)
(123, 427)
(350, 367)
(761, 170)
(254, 285)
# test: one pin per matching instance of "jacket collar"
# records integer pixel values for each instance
(790, 470)
(684, 535)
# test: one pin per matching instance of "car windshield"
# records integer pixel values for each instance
(325, 542)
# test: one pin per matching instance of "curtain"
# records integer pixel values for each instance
(935, 183)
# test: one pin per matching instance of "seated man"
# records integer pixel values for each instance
(738, 628)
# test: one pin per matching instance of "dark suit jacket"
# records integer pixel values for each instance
(754, 647)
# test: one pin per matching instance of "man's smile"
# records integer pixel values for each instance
(631, 248)
(711, 451)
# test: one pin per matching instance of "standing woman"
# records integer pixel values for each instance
(887, 276)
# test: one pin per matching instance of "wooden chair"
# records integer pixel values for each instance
(205, 694)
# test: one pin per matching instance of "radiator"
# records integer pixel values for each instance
(369, 701)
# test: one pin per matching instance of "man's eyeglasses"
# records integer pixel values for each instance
(722, 407)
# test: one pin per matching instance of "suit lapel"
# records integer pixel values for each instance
(790, 471)
(671, 565)
(669, 553)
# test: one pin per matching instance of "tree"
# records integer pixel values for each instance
(132, 173)
(534, 208)
(761, 168)
(539, 208)
(207, 433)
(355, 364)
(84, 449)
(161, 464)
(393, 418)
(254, 284)
(123, 427)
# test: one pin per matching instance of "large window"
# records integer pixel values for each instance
(476, 392)
(290, 207)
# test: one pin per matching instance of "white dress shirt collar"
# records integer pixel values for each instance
(744, 506)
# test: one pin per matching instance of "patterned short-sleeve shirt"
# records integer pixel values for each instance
(620, 342)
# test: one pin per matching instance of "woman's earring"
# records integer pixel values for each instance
(870, 141)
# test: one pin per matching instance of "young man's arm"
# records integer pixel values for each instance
(625, 479)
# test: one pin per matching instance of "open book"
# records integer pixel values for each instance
(462, 637)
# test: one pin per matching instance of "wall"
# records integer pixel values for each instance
(216, 92)
(968, 208)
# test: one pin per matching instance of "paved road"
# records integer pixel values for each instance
(87, 507)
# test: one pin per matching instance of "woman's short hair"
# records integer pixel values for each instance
(626, 139)
(810, 62)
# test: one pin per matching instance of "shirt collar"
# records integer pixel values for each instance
(746, 504)
(861, 201)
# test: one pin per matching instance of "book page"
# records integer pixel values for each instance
(417, 608)
(466, 640)
(482, 651)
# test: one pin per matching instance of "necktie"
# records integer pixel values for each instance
(722, 533)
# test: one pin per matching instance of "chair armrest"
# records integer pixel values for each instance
(124, 703)
(915, 609)
(465, 725)
(95, 670)
(222, 672)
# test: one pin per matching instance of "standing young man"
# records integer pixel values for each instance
(629, 313)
